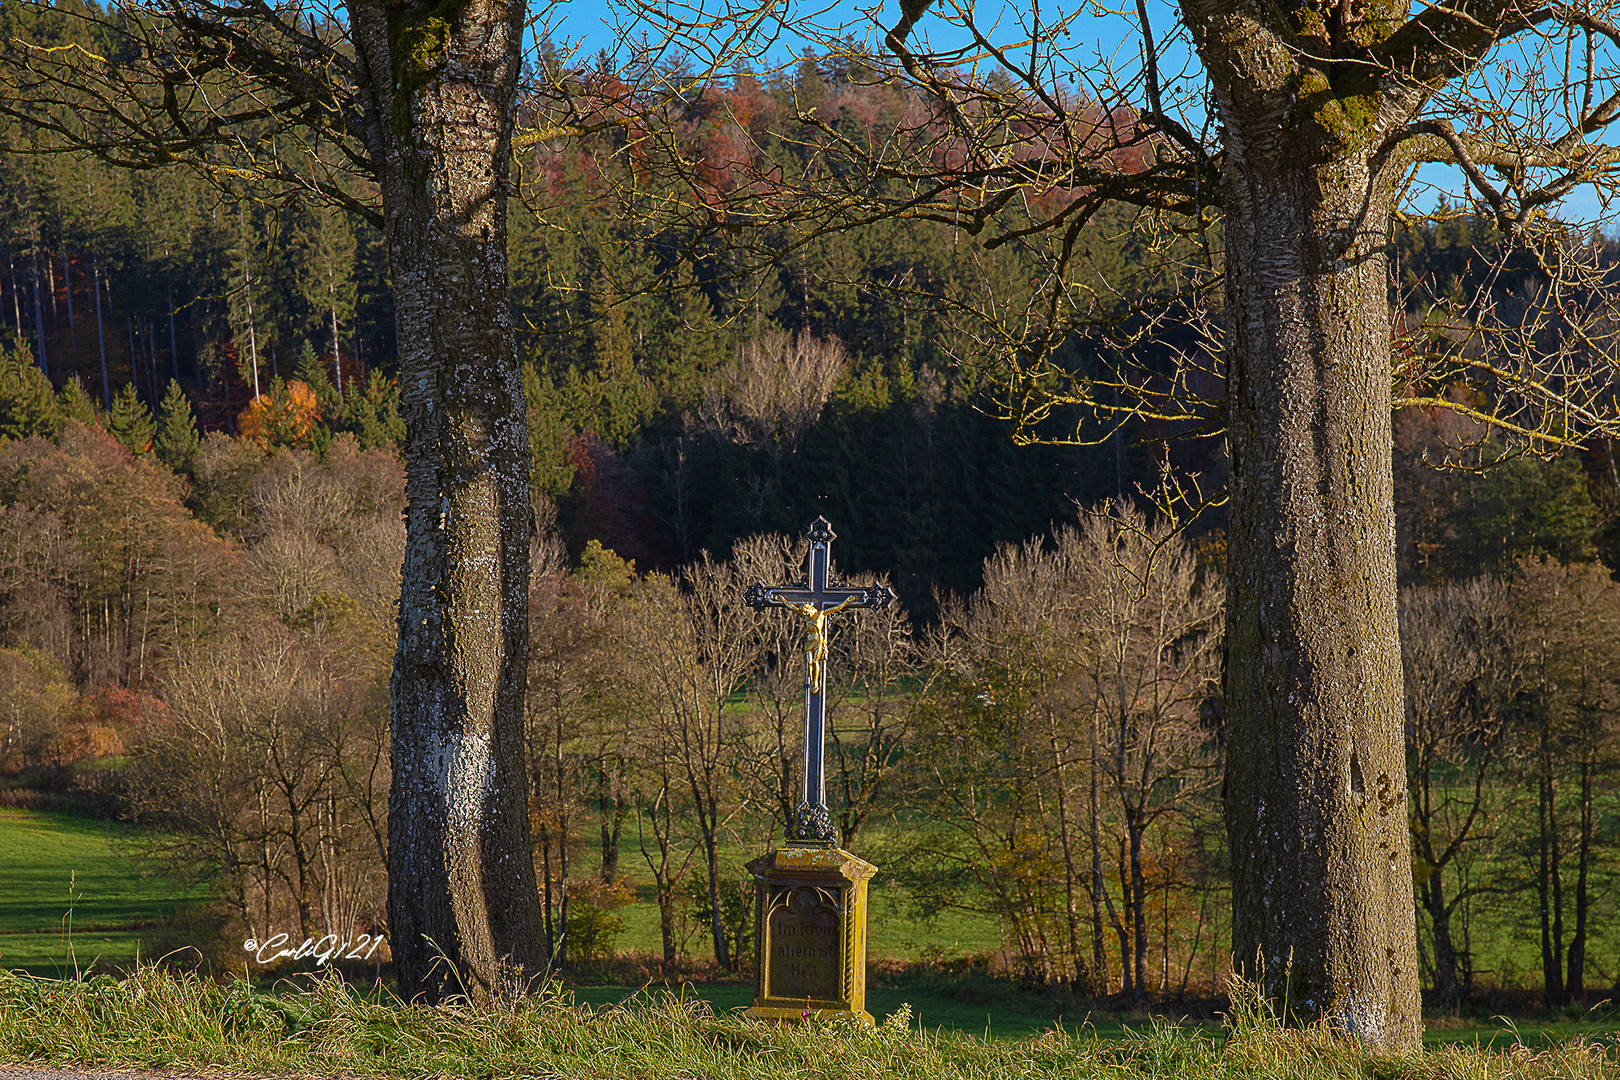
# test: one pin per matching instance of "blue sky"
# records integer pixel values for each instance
(590, 23)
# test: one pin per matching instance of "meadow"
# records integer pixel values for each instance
(64, 872)
(52, 863)
(74, 902)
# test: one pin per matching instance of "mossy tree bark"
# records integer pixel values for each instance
(1315, 775)
(438, 89)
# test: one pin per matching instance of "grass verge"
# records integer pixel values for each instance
(161, 1020)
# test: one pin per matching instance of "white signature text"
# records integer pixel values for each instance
(324, 950)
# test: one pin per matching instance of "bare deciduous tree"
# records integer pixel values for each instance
(579, 737)
(1459, 647)
(1149, 661)
(773, 391)
(244, 775)
(1076, 682)
(700, 642)
(1568, 625)
(877, 681)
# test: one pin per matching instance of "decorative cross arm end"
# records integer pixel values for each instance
(879, 597)
(820, 532)
(757, 596)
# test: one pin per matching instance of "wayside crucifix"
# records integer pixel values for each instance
(813, 599)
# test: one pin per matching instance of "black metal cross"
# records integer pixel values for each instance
(813, 599)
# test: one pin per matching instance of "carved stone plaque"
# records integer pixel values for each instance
(810, 933)
(806, 945)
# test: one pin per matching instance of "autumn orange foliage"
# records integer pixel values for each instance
(287, 418)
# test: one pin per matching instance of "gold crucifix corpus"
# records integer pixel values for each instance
(815, 637)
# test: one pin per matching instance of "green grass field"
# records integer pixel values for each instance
(938, 1012)
(894, 929)
(53, 862)
(929, 1012)
(44, 854)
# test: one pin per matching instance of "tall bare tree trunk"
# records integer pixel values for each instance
(174, 348)
(1137, 906)
(1099, 953)
(1549, 885)
(337, 353)
(39, 322)
(101, 338)
(440, 87)
(1316, 776)
(1575, 981)
(67, 279)
(253, 340)
(16, 293)
(1447, 986)
(1082, 978)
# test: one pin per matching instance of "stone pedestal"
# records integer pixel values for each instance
(810, 933)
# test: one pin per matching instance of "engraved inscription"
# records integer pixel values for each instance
(806, 958)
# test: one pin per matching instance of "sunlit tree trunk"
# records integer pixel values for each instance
(1315, 789)
(101, 338)
(337, 353)
(1549, 883)
(67, 280)
(439, 88)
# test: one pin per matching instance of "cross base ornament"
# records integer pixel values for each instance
(813, 825)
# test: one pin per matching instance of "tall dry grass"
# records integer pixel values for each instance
(158, 1019)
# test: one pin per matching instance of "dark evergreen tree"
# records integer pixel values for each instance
(75, 404)
(1524, 507)
(28, 405)
(176, 441)
(372, 413)
(551, 470)
(130, 422)
(312, 373)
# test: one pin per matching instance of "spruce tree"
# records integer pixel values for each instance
(551, 469)
(130, 422)
(27, 402)
(74, 404)
(177, 440)
(373, 413)
(312, 373)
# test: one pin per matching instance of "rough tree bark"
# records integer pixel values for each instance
(1316, 776)
(438, 87)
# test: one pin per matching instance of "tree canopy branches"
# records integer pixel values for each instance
(252, 96)
(985, 140)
